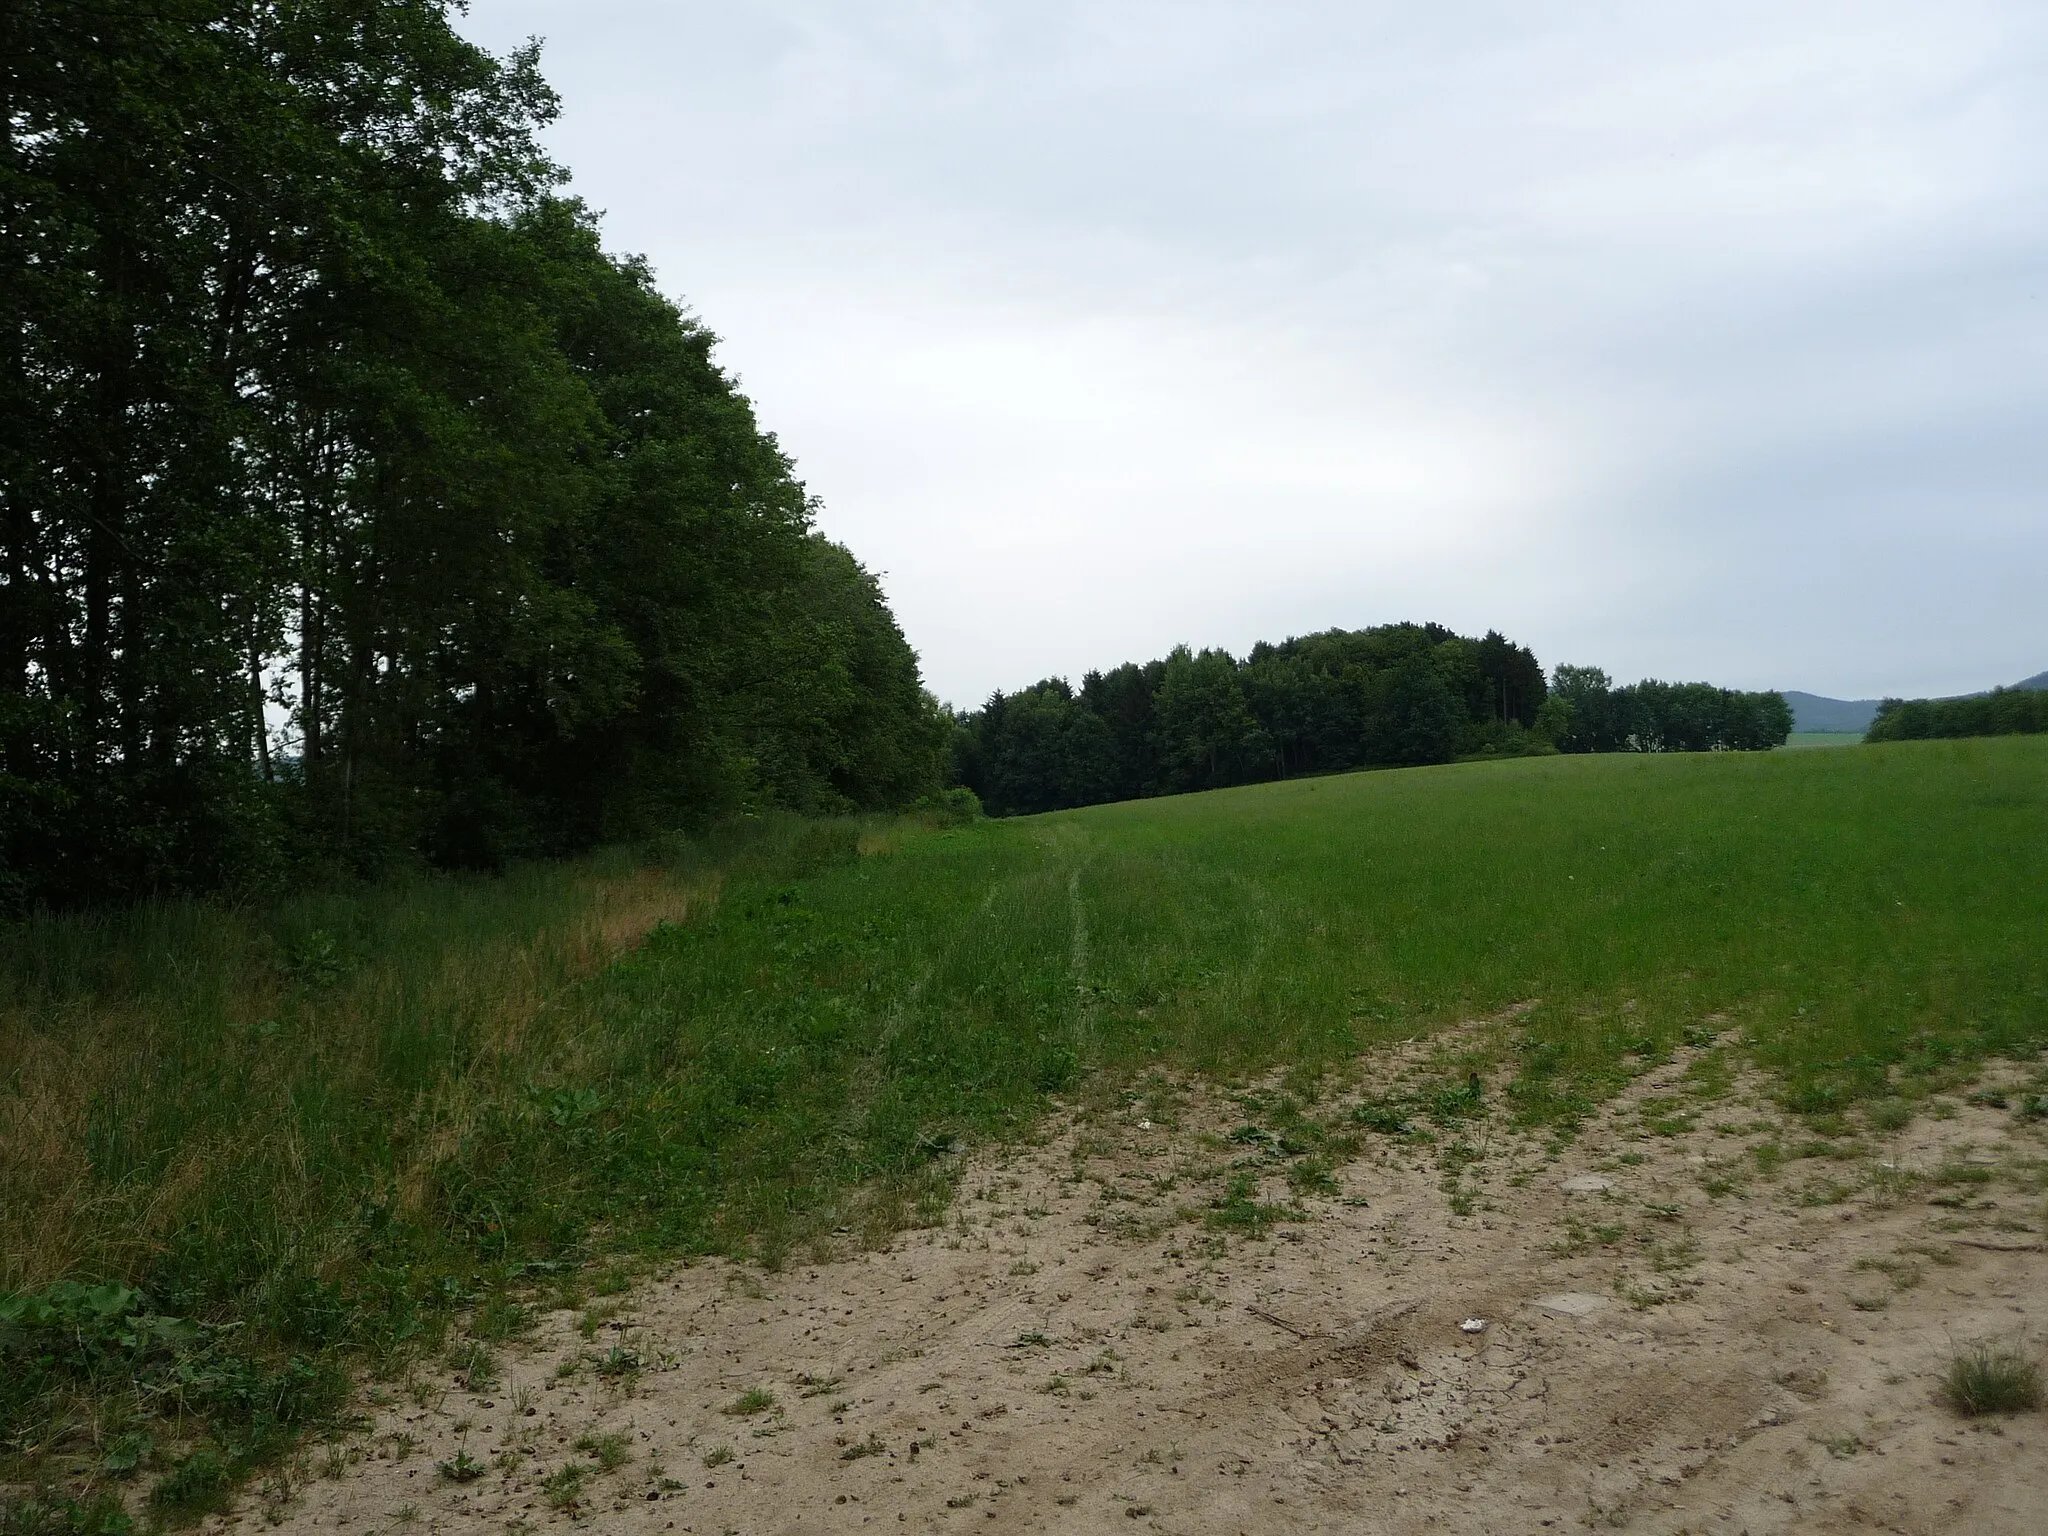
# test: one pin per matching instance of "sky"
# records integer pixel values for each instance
(1693, 342)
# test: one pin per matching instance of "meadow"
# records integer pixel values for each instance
(246, 1152)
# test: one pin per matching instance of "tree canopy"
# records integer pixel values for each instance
(355, 504)
(1398, 695)
(2001, 712)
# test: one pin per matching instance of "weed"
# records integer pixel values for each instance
(1886, 1116)
(124, 1453)
(717, 1456)
(611, 1451)
(1239, 1210)
(199, 1484)
(872, 1446)
(1902, 1274)
(1680, 1253)
(1383, 1117)
(750, 1402)
(475, 1365)
(563, 1487)
(461, 1468)
(618, 1361)
(1992, 1378)
(500, 1317)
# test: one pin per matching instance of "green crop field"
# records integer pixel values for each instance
(242, 1148)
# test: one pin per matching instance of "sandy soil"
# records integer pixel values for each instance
(1075, 1350)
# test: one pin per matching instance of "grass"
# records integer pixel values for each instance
(1990, 1378)
(1801, 739)
(244, 1152)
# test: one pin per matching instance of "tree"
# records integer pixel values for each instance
(1207, 736)
(321, 410)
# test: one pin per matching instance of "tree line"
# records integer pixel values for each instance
(355, 505)
(1651, 716)
(1394, 695)
(2001, 712)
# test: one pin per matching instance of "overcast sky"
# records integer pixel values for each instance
(1697, 342)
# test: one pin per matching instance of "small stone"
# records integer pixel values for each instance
(1473, 1325)
(1571, 1303)
(1587, 1184)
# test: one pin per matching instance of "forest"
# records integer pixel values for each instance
(2001, 712)
(356, 507)
(1391, 696)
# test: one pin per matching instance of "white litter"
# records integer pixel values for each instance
(1144, 1125)
(1473, 1325)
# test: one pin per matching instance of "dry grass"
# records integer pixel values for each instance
(65, 1060)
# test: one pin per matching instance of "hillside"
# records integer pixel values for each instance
(1817, 712)
(1813, 712)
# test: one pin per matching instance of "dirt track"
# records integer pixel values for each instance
(1072, 1353)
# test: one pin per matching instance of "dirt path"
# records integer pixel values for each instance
(1721, 1351)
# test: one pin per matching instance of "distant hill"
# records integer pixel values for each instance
(1813, 712)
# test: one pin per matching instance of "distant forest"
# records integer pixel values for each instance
(356, 507)
(1394, 695)
(2001, 712)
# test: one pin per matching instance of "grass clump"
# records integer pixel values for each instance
(1992, 1378)
(750, 1402)
(563, 1487)
(611, 1452)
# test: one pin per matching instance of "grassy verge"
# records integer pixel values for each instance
(240, 1150)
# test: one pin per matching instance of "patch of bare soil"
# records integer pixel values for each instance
(1692, 1338)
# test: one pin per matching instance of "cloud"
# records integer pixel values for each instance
(1704, 343)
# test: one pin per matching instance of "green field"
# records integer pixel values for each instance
(311, 1134)
(1803, 739)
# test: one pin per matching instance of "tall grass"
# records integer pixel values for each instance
(309, 1133)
